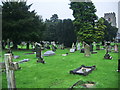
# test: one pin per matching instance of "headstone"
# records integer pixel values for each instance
(53, 48)
(72, 50)
(107, 55)
(49, 53)
(9, 71)
(116, 48)
(38, 54)
(87, 50)
(8, 43)
(62, 46)
(78, 46)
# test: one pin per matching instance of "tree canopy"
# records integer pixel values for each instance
(20, 24)
(84, 22)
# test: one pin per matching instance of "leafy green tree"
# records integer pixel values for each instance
(100, 30)
(84, 22)
(20, 24)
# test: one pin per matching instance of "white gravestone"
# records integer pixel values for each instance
(78, 46)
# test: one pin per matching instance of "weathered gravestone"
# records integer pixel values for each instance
(53, 48)
(108, 46)
(10, 71)
(78, 46)
(72, 50)
(62, 46)
(87, 50)
(116, 48)
(38, 54)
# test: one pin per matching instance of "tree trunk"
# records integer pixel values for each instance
(3, 45)
(27, 45)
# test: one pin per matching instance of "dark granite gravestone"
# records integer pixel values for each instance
(38, 54)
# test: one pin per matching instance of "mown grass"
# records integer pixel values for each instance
(55, 73)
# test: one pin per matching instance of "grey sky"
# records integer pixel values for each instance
(46, 8)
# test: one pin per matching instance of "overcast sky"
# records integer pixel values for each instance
(46, 8)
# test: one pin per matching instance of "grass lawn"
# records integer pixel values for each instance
(55, 73)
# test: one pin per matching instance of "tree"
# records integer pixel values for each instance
(84, 22)
(65, 32)
(100, 30)
(50, 32)
(110, 31)
(22, 24)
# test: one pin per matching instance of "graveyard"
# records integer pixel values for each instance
(82, 51)
(55, 72)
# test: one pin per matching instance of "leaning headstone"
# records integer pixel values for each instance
(87, 50)
(38, 54)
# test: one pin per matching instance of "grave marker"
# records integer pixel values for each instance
(9, 71)
(38, 54)
(87, 50)
(78, 46)
(116, 48)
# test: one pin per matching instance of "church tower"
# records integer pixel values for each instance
(111, 18)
